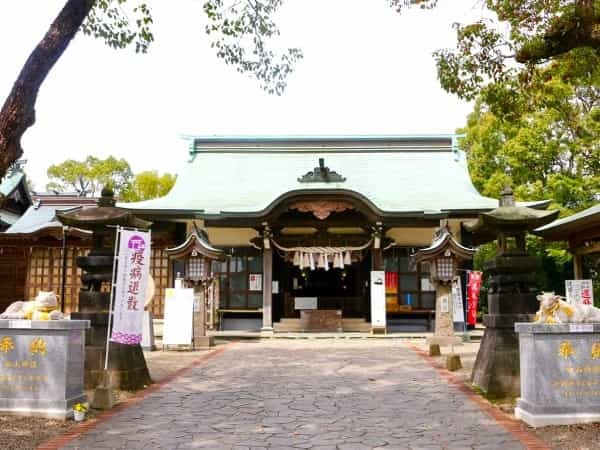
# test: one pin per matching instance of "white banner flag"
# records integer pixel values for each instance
(457, 297)
(132, 279)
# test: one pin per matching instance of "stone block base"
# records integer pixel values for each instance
(204, 342)
(434, 350)
(453, 362)
(378, 330)
(103, 398)
(544, 420)
(51, 409)
(126, 366)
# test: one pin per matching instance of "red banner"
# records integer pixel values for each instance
(391, 282)
(473, 287)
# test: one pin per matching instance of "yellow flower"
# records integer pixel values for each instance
(82, 407)
(565, 349)
(6, 344)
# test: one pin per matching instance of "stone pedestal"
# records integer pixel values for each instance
(126, 363)
(204, 342)
(41, 366)
(560, 373)
(511, 299)
(444, 317)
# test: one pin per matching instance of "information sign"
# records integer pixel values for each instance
(378, 312)
(178, 317)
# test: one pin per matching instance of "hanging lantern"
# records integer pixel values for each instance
(198, 267)
(443, 256)
(198, 254)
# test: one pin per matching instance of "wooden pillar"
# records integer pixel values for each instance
(376, 259)
(267, 322)
(577, 266)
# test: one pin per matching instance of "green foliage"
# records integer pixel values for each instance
(524, 35)
(87, 177)
(147, 185)
(544, 140)
(109, 20)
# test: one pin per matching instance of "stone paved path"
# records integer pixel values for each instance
(307, 394)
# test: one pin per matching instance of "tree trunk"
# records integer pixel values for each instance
(18, 112)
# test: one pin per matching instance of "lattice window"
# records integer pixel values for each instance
(159, 269)
(45, 274)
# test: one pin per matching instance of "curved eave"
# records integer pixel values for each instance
(193, 242)
(54, 231)
(440, 246)
(126, 220)
(359, 199)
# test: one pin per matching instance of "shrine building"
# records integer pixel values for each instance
(307, 219)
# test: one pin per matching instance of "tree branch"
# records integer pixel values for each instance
(18, 112)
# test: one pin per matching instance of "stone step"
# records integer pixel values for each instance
(349, 324)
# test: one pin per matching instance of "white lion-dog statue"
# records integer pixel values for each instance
(555, 310)
(43, 307)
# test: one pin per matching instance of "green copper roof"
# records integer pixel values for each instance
(396, 174)
(561, 229)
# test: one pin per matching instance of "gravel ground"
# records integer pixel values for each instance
(20, 433)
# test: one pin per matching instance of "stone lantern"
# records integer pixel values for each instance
(512, 292)
(126, 365)
(443, 257)
(198, 255)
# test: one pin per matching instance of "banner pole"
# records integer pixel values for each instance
(112, 294)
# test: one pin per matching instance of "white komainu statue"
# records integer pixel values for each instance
(44, 307)
(554, 310)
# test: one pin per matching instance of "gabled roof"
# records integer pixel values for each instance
(14, 186)
(196, 242)
(244, 176)
(563, 229)
(41, 216)
(443, 241)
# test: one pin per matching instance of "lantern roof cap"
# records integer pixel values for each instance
(198, 242)
(508, 217)
(442, 242)
(105, 214)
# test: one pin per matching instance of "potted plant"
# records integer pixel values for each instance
(79, 411)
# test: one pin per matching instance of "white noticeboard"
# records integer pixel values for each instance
(305, 302)
(255, 282)
(179, 309)
(378, 319)
(457, 301)
(579, 292)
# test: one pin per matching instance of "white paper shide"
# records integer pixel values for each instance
(130, 290)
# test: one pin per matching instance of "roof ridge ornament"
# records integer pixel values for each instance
(321, 174)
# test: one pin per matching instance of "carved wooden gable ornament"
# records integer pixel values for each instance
(322, 209)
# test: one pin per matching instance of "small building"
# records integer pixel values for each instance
(14, 197)
(310, 217)
(582, 233)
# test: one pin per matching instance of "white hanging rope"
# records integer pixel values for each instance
(321, 257)
(323, 250)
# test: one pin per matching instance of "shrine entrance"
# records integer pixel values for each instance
(344, 289)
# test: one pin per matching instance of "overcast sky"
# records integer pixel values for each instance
(366, 70)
